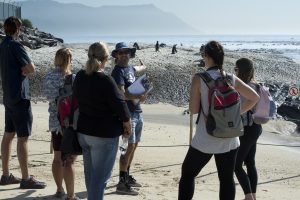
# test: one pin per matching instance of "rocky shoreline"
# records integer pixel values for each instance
(34, 38)
(171, 73)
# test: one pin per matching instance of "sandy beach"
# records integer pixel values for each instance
(157, 164)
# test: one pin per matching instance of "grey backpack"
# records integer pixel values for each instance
(224, 113)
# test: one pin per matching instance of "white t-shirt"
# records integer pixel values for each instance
(204, 142)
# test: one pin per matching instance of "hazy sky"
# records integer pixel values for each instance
(225, 16)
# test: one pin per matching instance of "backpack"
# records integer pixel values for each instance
(67, 104)
(68, 112)
(224, 117)
(265, 108)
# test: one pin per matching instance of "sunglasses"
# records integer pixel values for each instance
(123, 52)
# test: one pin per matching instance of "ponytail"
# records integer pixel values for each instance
(92, 65)
(98, 54)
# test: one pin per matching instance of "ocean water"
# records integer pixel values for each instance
(289, 45)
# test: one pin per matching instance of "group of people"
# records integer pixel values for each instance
(107, 111)
(230, 153)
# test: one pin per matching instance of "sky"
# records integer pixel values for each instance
(275, 17)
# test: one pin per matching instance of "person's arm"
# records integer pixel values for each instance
(251, 97)
(129, 96)
(28, 69)
(27, 66)
(116, 100)
(140, 68)
(195, 95)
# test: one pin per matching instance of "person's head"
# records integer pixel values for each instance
(244, 69)
(12, 26)
(97, 57)
(62, 60)
(122, 53)
(213, 54)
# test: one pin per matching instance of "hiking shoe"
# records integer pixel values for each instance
(75, 198)
(132, 182)
(125, 188)
(11, 179)
(59, 194)
(32, 183)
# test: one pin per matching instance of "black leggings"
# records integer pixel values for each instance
(246, 154)
(194, 162)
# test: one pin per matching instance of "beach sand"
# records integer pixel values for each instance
(157, 163)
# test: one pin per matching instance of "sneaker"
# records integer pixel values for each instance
(32, 183)
(75, 198)
(11, 179)
(59, 194)
(132, 182)
(125, 188)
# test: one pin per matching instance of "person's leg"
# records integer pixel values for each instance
(87, 160)
(69, 176)
(6, 151)
(7, 139)
(22, 118)
(240, 173)
(57, 168)
(256, 130)
(225, 164)
(246, 154)
(192, 165)
(103, 154)
(57, 171)
(22, 152)
(125, 160)
(138, 128)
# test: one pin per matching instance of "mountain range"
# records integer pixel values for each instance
(77, 19)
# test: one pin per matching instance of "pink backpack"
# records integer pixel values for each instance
(265, 108)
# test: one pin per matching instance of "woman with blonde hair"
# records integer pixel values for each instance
(103, 117)
(53, 82)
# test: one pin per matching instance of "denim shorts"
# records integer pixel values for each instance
(137, 126)
(18, 118)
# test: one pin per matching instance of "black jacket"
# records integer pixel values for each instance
(102, 107)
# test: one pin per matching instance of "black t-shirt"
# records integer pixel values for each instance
(102, 107)
(13, 57)
(125, 76)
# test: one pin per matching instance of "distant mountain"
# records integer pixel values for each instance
(77, 19)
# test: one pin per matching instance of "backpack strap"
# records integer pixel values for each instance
(210, 83)
(208, 80)
(69, 80)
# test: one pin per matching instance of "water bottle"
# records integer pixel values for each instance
(123, 145)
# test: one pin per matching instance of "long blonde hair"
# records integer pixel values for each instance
(98, 55)
(62, 60)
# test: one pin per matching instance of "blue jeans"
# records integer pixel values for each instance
(136, 127)
(99, 155)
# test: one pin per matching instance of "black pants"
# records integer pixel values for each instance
(246, 154)
(194, 162)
